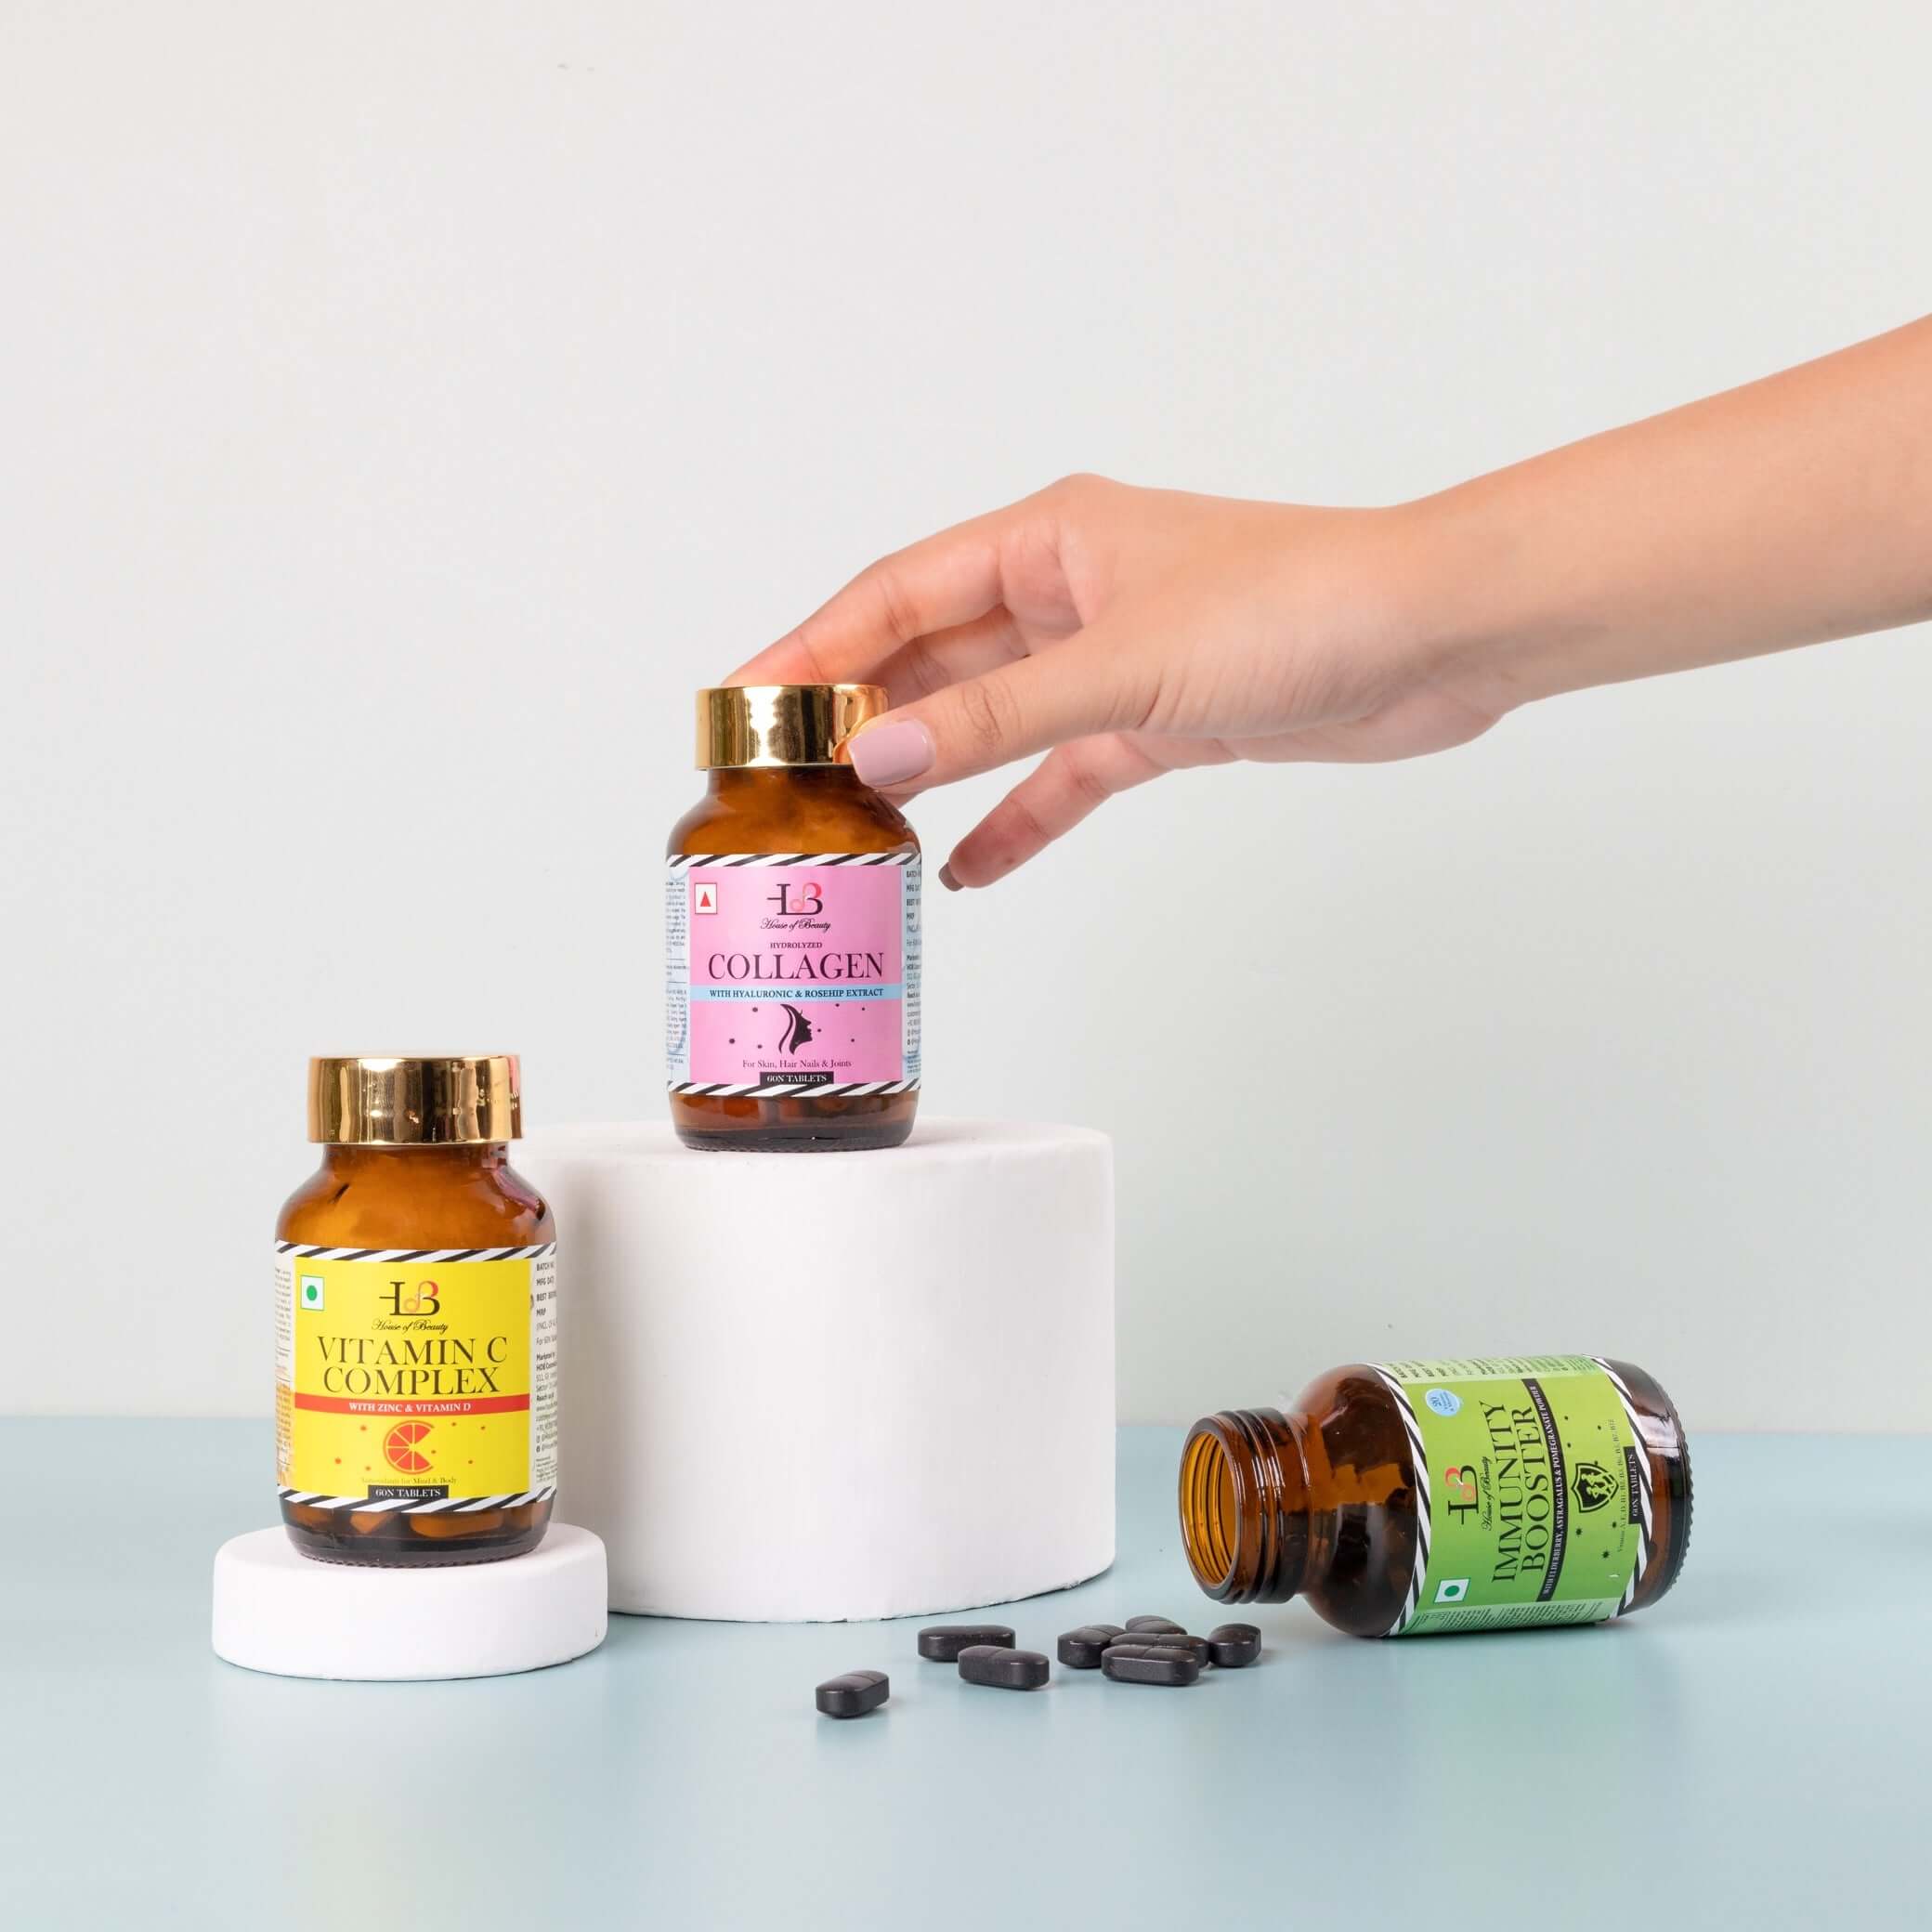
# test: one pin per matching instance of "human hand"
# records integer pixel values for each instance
(1129, 633)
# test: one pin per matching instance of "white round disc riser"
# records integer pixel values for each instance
(278, 1610)
(802, 1386)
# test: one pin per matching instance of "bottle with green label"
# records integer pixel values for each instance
(1412, 1498)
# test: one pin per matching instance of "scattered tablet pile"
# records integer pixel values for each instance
(1146, 1651)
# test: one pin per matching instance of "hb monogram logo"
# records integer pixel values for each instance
(421, 1299)
(796, 901)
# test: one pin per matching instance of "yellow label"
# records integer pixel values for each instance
(422, 1378)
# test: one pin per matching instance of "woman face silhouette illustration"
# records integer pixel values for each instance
(798, 1029)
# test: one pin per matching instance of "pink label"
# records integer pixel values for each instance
(793, 977)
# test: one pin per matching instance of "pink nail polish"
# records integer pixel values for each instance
(890, 754)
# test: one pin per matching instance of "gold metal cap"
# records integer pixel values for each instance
(781, 723)
(433, 1101)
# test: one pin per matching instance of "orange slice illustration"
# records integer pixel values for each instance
(399, 1447)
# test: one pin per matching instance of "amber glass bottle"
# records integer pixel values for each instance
(416, 1316)
(792, 934)
(1411, 1497)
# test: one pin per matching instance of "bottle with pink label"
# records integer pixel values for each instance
(792, 933)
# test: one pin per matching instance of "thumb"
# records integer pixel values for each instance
(1074, 690)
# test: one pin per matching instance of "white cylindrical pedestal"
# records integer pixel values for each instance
(799, 1387)
(275, 1610)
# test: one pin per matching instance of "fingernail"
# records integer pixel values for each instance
(947, 879)
(890, 754)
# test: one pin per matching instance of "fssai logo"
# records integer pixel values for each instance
(1593, 1486)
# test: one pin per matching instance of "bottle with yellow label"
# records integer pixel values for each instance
(415, 1321)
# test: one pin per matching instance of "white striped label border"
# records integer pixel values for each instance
(408, 1505)
(684, 861)
(1644, 1497)
(304, 1253)
(1418, 1458)
(781, 1088)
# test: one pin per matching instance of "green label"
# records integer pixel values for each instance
(1535, 1493)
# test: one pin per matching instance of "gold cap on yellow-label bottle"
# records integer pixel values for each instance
(769, 725)
(411, 1100)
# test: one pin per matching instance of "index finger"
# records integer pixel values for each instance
(942, 581)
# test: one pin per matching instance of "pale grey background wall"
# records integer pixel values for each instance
(402, 407)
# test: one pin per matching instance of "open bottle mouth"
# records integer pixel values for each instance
(1209, 1513)
(1244, 1505)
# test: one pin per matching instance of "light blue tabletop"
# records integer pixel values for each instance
(1751, 1751)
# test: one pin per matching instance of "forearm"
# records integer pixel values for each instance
(1793, 509)
(1129, 633)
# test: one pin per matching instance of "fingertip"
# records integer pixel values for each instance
(972, 869)
(785, 662)
(893, 752)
